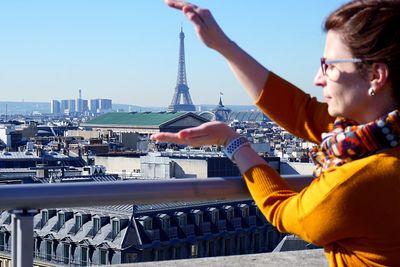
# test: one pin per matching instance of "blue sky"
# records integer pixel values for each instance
(127, 50)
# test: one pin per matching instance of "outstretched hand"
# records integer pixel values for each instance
(205, 25)
(210, 133)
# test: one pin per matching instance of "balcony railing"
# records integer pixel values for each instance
(25, 200)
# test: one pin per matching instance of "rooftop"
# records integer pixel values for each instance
(135, 118)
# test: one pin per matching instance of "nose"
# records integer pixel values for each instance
(320, 79)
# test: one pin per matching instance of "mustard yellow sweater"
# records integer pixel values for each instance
(353, 211)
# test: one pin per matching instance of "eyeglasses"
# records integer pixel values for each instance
(331, 71)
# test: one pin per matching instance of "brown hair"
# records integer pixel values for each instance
(371, 29)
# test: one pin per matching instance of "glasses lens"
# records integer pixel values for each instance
(323, 66)
(332, 72)
(329, 70)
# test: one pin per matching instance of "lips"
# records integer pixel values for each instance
(327, 98)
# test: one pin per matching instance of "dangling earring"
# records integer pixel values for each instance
(371, 91)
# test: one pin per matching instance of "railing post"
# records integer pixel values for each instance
(22, 237)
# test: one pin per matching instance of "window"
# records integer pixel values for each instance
(172, 253)
(34, 247)
(242, 244)
(66, 253)
(115, 227)
(84, 256)
(194, 250)
(182, 220)
(214, 216)
(78, 222)
(198, 218)
(165, 223)
(48, 250)
(155, 254)
(103, 256)
(131, 257)
(61, 220)
(45, 217)
(2, 242)
(96, 225)
(270, 240)
(229, 213)
(245, 212)
(148, 224)
(256, 242)
(227, 246)
(209, 248)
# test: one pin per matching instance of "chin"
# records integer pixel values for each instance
(333, 112)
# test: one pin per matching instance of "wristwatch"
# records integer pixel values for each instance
(235, 145)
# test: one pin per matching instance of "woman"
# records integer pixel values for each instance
(352, 208)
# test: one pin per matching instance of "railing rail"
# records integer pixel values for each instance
(25, 199)
(64, 195)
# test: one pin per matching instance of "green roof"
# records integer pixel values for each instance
(134, 118)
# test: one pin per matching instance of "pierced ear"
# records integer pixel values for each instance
(380, 74)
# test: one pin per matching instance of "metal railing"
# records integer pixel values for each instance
(24, 200)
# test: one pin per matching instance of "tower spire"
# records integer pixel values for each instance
(181, 100)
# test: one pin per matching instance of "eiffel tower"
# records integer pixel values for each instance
(181, 100)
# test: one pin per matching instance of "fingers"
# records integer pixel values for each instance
(192, 12)
(194, 16)
(178, 4)
(175, 4)
(167, 137)
(191, 133)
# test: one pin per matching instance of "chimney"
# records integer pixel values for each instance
(41, 171)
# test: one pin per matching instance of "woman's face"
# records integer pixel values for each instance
(346, 93)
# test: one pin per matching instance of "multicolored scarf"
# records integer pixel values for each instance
(349, 141)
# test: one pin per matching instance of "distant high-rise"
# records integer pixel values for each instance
(71, 105)
(94, 105)
(181, 100)
(64, 105)
(79, 103)
(85, 105)
(100, 105)
(55, 107)
(105, 104)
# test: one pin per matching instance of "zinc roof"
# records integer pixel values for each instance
(135, 118)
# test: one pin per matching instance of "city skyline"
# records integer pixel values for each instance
(128, 51)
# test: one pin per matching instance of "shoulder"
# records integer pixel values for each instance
(370, 173)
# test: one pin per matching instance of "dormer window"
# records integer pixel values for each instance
(181, 218)
(45, 217)
(164, 220)
(245, 210)
(78, 222)
(198, 217)
(61, 220)
(96, 225)
(147, 222)
(116, 227)
(229, 212)
(214, 215)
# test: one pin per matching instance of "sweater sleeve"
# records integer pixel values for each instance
(294, 110)
(319, 214)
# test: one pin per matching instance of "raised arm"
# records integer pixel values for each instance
(251, 74)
